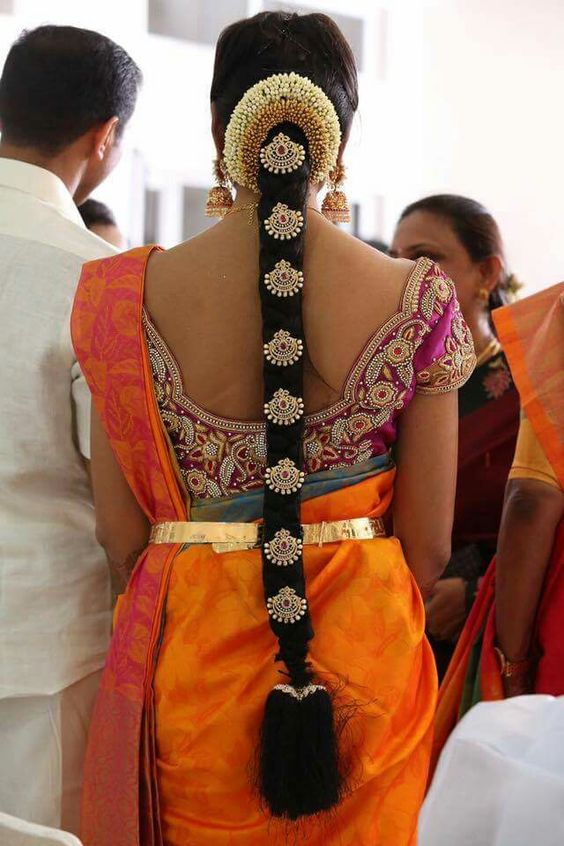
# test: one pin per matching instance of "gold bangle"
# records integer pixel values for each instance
(513, 669)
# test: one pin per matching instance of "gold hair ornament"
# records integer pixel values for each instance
(284, 478)
(287, 606)
(283, 97)
(283, 349)
(284, 223)
(284, 549)
(282, 155)
(284, 280)
(284, 409)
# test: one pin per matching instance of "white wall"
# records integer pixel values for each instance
(456, 95)
(493, 128)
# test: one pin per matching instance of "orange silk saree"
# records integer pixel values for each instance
(190, 664)
(532, 334)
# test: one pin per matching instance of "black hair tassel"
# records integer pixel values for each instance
(299, 771)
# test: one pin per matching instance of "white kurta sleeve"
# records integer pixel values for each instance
(82, 402)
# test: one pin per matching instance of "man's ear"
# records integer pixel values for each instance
(105, 137)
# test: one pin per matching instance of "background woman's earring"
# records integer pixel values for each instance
(335, 205)
(483, 295)
(220, 198)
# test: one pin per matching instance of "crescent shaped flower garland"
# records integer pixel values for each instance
(280, 98)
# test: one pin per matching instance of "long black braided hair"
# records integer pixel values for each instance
(299, 771)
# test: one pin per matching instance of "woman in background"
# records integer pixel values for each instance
(513, 642)
(247, 388)
(463, 238)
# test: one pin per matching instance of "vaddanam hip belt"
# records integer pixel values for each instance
(225, 537)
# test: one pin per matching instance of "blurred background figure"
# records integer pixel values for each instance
(513, 642)
(66, 96)
(378, 245)
(464, 239)
(98, 218)
(500, 780)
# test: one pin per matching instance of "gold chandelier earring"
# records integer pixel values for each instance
(335, 205)
(220, 198)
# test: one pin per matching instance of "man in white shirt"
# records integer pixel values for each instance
(65, 97)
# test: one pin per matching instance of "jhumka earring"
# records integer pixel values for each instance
(335, 205)
(220, 198)
(483, 294)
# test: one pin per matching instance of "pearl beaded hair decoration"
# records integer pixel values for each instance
(277, 99)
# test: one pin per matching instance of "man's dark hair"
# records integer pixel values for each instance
(93, 213)
(59, 82)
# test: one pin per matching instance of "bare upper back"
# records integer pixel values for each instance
(203, 297)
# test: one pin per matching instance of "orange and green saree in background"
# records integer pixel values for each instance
(191, 660)
(532, 334)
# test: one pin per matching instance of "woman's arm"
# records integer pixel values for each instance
(531, 514)
(121, 526)
(426, 483)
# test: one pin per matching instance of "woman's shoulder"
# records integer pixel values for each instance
(361, 279)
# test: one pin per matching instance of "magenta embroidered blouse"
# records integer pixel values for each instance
(425, 347)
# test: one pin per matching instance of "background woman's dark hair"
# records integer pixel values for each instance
(475, 228)
(95, 213)
(59, 82)
(299, 771)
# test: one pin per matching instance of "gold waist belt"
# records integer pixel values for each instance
(226, 537)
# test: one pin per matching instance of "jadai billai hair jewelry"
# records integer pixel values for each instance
(284, 280)
(220, 198)
(282, 155)
(283, 134)
(283, 222)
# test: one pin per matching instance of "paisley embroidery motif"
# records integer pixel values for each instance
(453, 368)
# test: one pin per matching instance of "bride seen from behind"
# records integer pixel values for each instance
(219, 403)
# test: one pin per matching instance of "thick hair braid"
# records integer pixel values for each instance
(299, 771)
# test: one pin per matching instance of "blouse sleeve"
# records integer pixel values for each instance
(445, 360)
(530, 460)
